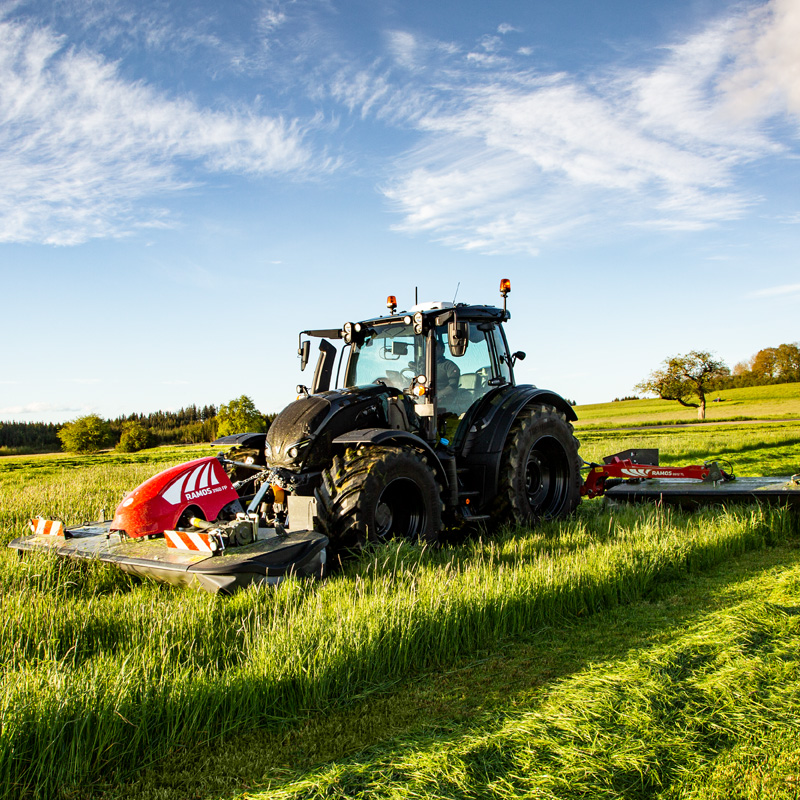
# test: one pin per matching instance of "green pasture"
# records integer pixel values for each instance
(781, 401)
(107, 679)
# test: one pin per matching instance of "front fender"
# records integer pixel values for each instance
(388, 437)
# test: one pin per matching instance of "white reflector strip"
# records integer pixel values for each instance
(189, 540)
(47, 527)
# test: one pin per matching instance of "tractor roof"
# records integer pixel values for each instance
(434, 309)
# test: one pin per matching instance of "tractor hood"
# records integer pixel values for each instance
(294, 429)
(300, 436)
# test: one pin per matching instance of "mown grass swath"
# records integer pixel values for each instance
(101, 674)
(713, 712)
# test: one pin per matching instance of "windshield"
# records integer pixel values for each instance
(390, 353)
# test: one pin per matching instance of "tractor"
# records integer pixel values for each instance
(422, 431)
(427, 431)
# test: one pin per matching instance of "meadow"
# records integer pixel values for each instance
(780, 401)
(119, 686)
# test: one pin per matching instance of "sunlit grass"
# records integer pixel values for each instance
(753, 402)
(752, 449)
(107, 672)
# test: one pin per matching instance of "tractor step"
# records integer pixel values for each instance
(467, 514)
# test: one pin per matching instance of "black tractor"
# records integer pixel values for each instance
(427, 431)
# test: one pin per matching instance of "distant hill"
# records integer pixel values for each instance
(776, 401)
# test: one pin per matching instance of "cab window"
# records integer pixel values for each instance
(462, 381)
(387, 353)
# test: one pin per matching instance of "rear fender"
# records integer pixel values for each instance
(488, 428)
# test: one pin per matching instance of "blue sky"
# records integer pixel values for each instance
(185, 186)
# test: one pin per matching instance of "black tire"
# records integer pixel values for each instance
(373, 494)
(540, 475)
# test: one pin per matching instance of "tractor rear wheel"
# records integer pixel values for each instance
(540, 474)
(373, 494)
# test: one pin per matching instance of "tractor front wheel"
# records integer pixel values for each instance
(540, 474)
(373, 494)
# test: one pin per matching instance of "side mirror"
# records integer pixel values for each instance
(457, 336)
(324, 370)
(304, 351)
(518, 356)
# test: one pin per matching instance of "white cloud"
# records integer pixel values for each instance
(509, 158)
(80, 147)
(777, 291)
(766, 78)
(39, 408)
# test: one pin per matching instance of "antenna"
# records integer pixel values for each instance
(416, 295)
(456, 294)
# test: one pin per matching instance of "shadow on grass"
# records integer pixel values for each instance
(427, 713)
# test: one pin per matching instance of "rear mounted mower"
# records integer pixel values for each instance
(634, 476)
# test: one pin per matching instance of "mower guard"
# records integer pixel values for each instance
(777, 491)
(267, 560)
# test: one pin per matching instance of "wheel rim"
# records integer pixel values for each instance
(547, 477)
(400, 510)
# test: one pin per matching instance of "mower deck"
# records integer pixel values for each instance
(778, 491)
(267, 560)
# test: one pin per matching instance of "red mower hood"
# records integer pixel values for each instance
(157, 504)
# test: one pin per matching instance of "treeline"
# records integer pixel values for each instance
(30, 437)
(779, 364)
(190, 425)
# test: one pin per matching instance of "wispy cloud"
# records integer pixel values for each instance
(509, 158)
(29, 409)
(778, 291)
(80, 147)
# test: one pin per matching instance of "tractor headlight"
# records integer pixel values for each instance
(347, 332)
(296, 449)
(418, 322)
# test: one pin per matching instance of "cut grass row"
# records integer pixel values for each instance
(104, 673)
(707, 709)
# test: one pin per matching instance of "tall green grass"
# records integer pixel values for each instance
(101, 674)
(712, 713)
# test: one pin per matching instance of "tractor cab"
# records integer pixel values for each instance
(439, 359)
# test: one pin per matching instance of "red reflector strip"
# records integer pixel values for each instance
(191, 540)
(47, 527)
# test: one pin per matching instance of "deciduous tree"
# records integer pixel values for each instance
(85, 434)
(135, 437)
(684, 377)
(240, 416)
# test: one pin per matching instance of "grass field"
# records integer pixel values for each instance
(106, 679)
(781, 401)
